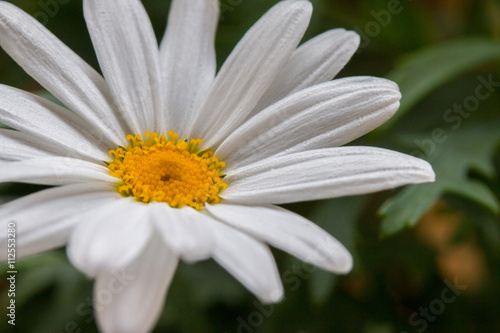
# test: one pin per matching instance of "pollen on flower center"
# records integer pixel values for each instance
(167, 169)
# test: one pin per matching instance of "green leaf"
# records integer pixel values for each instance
(465, 150)
(425, 70)
(43, 270)
(50, 275)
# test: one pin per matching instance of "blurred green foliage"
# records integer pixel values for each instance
(440, 52)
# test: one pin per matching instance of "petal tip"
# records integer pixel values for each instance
(341, 261)
(353, 37)
(346, 266)
(431, 175)
(426, 172)
(275, 296)
(300, 5)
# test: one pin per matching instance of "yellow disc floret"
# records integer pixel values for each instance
(167, 169)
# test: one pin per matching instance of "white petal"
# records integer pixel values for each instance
(185, 231)
(131, 301)
(15, 146)
(54, 171)
(114, 236)
(324, 173)
(44, 220)
(316, 61)
(128, 54)
(289, 232)
(50, 124)
(250, 69)
(188, 59)
(249, 261)
(327, 115)
(59, 70)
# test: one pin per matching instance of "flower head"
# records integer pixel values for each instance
(160, 159)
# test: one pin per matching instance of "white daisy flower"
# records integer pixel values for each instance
(160, 159)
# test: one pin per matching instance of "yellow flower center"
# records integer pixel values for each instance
(167, 169)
